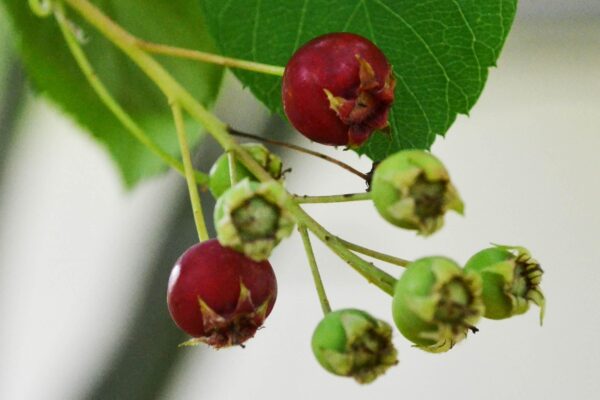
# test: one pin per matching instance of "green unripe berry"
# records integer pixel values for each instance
(435, 303)
(412, 189)
(511, 280)
(219, 179)
(251, 217)
(352, 343)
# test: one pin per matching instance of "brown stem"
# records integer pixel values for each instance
(322, 156)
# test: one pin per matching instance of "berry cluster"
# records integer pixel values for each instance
(337, 90)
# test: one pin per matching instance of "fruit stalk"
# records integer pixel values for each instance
(301, 149)
(338, 198)
(232, 168)
(196, 55)
(310, 256)
(189, 172)
(375, 254)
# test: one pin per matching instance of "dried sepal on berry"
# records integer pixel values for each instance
(511, 281)
(412, 189)
(251, 218)
(368, 110)
(219, 179)
(233, 329)
(352, 343)
(436, 303)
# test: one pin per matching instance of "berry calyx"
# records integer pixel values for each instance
(337, 89)
(219, 179)
(251, 218)
(511, 280)
(352, 343)
(436, 303)
(412, 189)
(219, 296)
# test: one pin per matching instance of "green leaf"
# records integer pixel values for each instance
(440, 49)
(54, 73)
(6, 51)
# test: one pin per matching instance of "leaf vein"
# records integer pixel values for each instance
(412, 94)
(431, 53)
(255, 29)
(351, 17)
(301, 23)
(473, 42)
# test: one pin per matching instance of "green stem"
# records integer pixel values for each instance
(339, 198)
(370, 272)
(232, 168)
(210, 58)
(375, 254)
(104, 95)
(218, 130)
(310, 256)
(189, 172)
(41, 8)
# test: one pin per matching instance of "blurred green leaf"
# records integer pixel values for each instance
(440, 49)
(54, 73)
(12, 93)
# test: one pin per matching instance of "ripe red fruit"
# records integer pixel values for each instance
(218, 295)
(337, 89)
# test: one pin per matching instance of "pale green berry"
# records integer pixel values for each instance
(219, 179)
(352, 343)
(436, 303)
(412, 189)
(511, 281)
(252, 218)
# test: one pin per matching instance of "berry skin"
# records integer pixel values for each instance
(352, 343)
(218, 296)
(412, 189)
(435, 303)
(337, 89)
(251, 217)
(219, 180)
(511, 280)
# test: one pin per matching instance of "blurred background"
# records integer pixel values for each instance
(84, 263)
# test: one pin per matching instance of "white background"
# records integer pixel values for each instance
(73, 243)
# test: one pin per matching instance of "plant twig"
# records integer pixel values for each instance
(301, 149)
(310, 256)
(209, 58)
(337, 198)
(189, 172)
(375, 254)
(232, 168)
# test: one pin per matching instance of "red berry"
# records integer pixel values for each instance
(218, 295)
(337, 89)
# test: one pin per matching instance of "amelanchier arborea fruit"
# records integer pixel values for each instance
(337, 89)
(219, 296)
(412, 189)
(352, 343)
(251, 217)
(511, 280)
(219, 175)
(436, 303)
